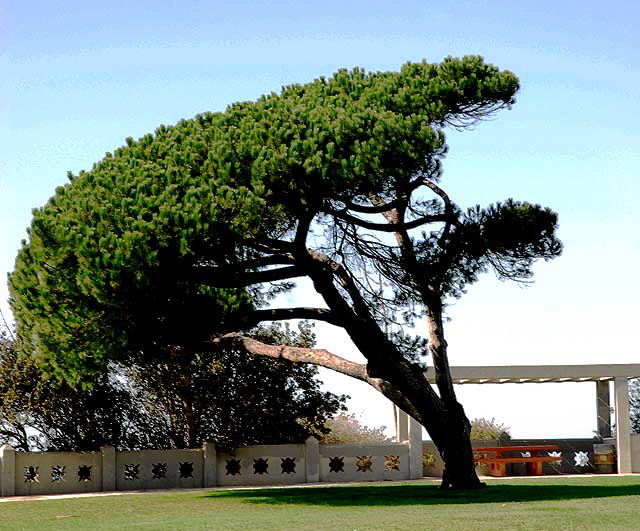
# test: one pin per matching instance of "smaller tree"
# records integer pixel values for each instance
(36, 414)
(224, 396)
(488, 430)
(346, 428)
(218, 396)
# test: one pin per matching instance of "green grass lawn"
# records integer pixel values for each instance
(545, 504)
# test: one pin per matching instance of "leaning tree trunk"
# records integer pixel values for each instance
(456, 451)
(448, 427)
(388, 370)
(454, 433)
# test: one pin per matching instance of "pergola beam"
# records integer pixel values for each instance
(601, 374)
(540, 373)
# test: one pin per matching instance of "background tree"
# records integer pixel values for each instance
(36, 415)
(488, 430)
(215, 397)
(347, 428)
(225, 397)
(176, 242)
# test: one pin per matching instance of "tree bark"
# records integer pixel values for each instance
(456, 450)
(406, 386)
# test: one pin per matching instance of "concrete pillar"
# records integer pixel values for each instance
(623, 431)
(108, 468)
(210, 465)
(415, 449)
(7, 471)
(603, 409)
(403, 426)
(312, 460)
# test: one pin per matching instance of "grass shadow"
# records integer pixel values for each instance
(397, 495)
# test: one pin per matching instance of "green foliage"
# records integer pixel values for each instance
(109, 270)
(221, 396)
(36, 414)
(233, 399)
(346, 428)
(488, 430)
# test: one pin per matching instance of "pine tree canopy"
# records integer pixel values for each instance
(186, 233)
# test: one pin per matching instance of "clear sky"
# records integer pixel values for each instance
(77, 78)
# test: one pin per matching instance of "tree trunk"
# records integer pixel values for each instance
(457, 453)
(388, 370)
(450, 431)
(455, 448)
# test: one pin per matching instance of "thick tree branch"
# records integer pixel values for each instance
(280, 314)
(385, 227)
(223, 278)
(395, 217)
(269, 245)
(320, 358)
(448, 206)
(370, 209)
(381, 206)
(252, 263)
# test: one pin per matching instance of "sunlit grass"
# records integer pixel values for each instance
(531, 504)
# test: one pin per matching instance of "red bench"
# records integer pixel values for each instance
(498, 462)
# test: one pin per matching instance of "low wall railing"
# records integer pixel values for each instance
(40, 473)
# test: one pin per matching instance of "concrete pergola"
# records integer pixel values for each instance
(619, 374)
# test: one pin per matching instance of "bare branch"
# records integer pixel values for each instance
(269, 245)
(223, 278)
(279, 314)
(320, 358)
(371, 209)
(385, 227)
(448, 210)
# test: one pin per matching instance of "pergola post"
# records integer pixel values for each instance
(415, 449)
(603, 408)
(623, 431)
(403, 426)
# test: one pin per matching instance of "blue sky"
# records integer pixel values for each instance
(79, 77)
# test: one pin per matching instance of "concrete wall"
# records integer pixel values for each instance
(635, 453)
(57, 472)
(34, 473)
(159, 469)
(372, 462)
(262, 465)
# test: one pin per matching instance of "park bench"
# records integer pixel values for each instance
(528, 454)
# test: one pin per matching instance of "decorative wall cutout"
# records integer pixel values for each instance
(392, 462)
(364, 463)
(159, 470)
(131, 471)
(288, 465)
(57, 473)
(186, 470)
(429, 460)
(525, 454)
(233, 467)
(558, 455)
(336, 464)
(581, 458)
(260, 466)
(84, 473)
(31, 474)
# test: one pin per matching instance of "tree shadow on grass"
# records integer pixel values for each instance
(395, 495)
